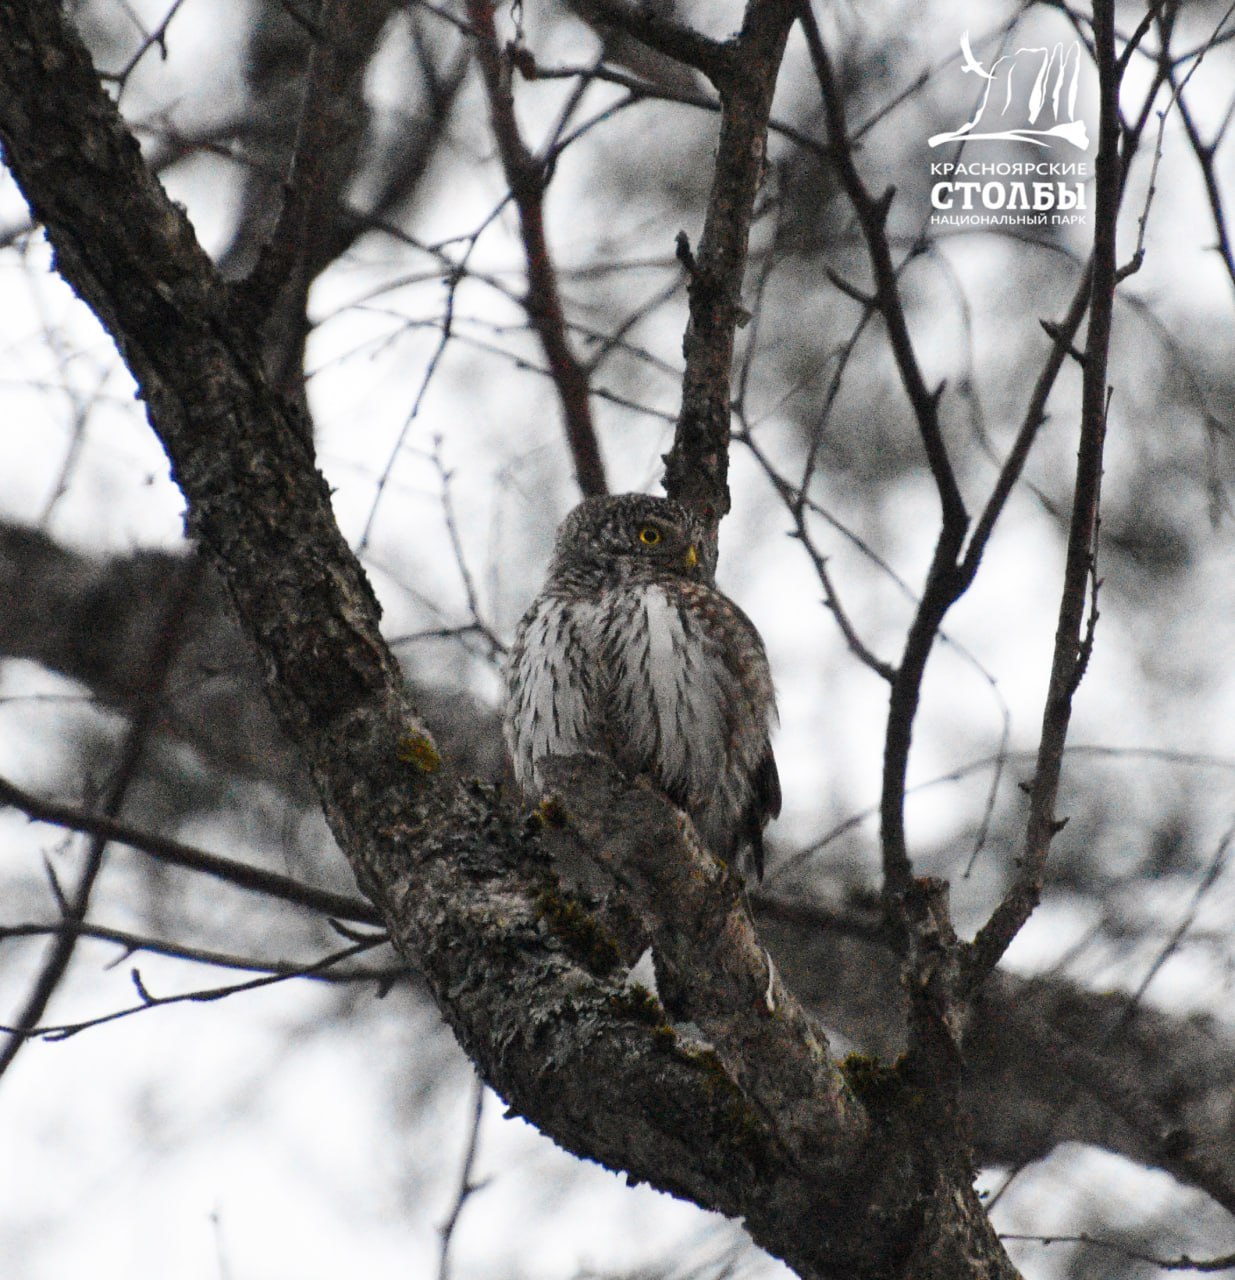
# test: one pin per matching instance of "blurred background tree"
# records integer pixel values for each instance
(340, 165)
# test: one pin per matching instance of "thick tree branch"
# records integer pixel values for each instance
(836, 960)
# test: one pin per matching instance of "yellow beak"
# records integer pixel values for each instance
(692, 556)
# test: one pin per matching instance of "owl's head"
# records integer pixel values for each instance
(630, 535)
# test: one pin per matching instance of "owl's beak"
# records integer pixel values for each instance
(691, 557)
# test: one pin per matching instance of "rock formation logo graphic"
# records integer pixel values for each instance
(1050, 74)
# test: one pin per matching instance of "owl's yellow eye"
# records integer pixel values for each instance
(649, 535)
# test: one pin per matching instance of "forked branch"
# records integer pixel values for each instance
(1071, 650)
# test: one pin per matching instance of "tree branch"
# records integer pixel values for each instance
(160, 659)
(241, 874)
(697, 466)
(531, 982)
(943, 583)
(527, 179)
(1068, 659)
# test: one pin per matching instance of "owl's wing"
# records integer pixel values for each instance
(764, 806)
(748, 794)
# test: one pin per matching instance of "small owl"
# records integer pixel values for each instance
(630, 651)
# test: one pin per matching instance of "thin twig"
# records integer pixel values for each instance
(131, 943)
(148, 1000)
(156, 39)
(1181, 1263)
(478, 624)
(1205, 153)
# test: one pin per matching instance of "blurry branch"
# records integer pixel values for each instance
(744, 71)
(172, 852)
(315, 152)
(160, 659)
(527, 178)
(325, 135)
(1206, 152)
(92, 618)
(1072, 639)
(467, 1187)
(150, 1001)
(656, 27)
(1047, 1061)
(1217, 865)
(1181, 1263)
(1168, 1141)
(132, 943)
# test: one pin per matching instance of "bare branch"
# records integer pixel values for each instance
(242, 875)
(22, 1033)
(467, 1187)
(131, 943)
(1205, 154)
(1182, 1263)
(943, 584)
(1067, 662)
(697, 466)
(167, 641)
(527, 178)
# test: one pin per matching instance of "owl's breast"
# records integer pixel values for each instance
(664, 700)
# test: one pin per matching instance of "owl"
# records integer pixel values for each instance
(629, 650)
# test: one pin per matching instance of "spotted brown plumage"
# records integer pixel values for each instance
(630, 650)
